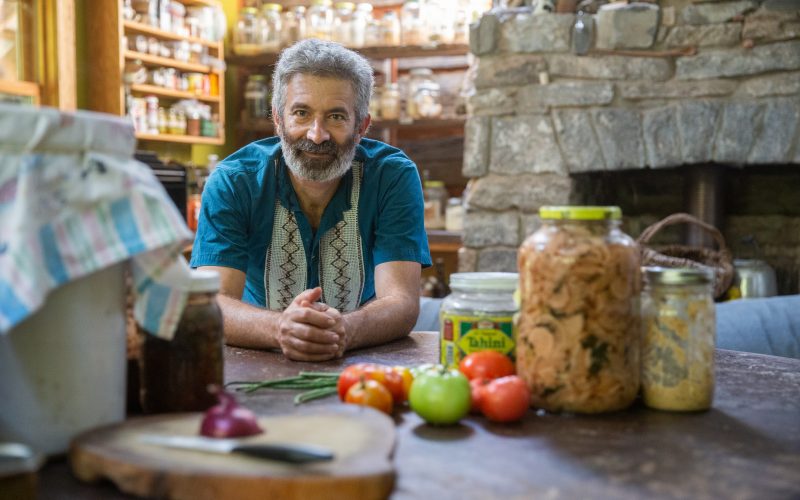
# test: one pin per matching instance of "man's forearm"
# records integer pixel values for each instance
(381, 321)
(248, 326)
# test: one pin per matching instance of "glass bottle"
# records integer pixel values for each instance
(417, 76)
(679, 326)
(319, 20)
(175, 373)
(427, 100)
(435, 195)
(361, 20)
(478, 315)
(271, 27)
(342, 30)
(255, 97)
(412, 23)
(246, 34)
(390, 102)
(294, 25)
(579, 321)
(390, 29)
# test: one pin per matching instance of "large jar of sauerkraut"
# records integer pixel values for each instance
(578, 330)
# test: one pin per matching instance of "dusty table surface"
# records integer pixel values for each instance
(746, 446)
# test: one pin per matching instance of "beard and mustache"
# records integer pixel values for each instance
(340, 157)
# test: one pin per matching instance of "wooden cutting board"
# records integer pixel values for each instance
(361, 438)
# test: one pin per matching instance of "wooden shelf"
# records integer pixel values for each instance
(440, 240)
(146, 29)
(270, 58)
(184, 139)
(206, 3)
(166, 61)
(142, 88)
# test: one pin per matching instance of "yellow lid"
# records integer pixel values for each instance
(434, 184)
(568, 212)
(272, 6)
(325, 3)
(345, 5)
(249, 10)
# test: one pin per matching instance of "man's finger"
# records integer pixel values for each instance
(311, 295)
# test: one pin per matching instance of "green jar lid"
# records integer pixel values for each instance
(577, 212)
(485, 281)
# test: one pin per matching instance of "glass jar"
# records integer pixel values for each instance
(390, 102)
(435, 195)
(246, 34)
(342, 30)
(412, 23)
(578, 330)
(390, 29)
(477, 316)
(294, 25)
(271, 27)
(319, 20)
(440, 25)
(679, 326)
(361, 20)
(175, 373)
(256, 97)
(375, 102)
(427, 99)
(417, 77)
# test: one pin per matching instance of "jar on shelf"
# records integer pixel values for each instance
(375, 102)
(390, 29)
(390, 102)
(435, 196)
(454, 215)
(427, 100)
(271, 27)
(176, 373)
(294, 25)
(412, 23)
(152, 114)
(246, 34)
(256, 97)
(679, 326)
(579, 321)
(440, 22)
(319, 20)
(478, 315)
(374, 33)
(342, 31)
(417, 77)
(361, 20)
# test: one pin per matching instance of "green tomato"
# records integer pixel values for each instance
(440, 396)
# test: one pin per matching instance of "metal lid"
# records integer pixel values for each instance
(568, 212)
(678, 276)
(204, 281)
(485, 281)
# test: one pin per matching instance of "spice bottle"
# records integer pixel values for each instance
(679, 337)
(478, 315)
(175, 373)
(579, 322)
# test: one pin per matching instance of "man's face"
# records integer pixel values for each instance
(318, 130)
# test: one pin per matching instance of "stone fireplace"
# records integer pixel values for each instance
(680, 106)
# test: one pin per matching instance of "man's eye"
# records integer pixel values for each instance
(338, 117)
(300, 113)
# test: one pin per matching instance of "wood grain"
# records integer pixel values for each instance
(362, 440)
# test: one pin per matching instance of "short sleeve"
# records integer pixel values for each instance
(400, 233)
(221, 238)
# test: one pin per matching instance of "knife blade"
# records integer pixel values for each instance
(290, 453)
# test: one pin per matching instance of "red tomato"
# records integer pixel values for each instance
(370, 393)
(505, 399)
(477, 387)
(350, 376)
(407, 378)
(390, 379)
(486, 364)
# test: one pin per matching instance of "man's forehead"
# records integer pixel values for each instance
(306, 87)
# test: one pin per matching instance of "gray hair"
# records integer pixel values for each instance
(326, 59)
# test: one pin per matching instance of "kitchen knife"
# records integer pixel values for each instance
(293, 453)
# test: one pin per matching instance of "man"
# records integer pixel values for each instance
(318, 233)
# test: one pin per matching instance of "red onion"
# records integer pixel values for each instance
(228, 419)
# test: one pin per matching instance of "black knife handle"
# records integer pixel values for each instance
(290, 454)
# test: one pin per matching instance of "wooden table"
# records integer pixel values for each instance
(747, 446)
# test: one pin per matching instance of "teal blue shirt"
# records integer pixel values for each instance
(236, 215)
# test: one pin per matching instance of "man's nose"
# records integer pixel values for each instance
(317, 131)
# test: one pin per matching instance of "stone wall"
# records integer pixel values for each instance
(661, 87)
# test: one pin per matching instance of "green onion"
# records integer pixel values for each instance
(315, 384)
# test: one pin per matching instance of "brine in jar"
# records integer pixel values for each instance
(579, 324)
(679, 325)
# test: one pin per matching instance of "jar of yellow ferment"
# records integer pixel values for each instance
(578, 328)
(679, 326)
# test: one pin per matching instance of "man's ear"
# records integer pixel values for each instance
(364, 125)
(276, 118)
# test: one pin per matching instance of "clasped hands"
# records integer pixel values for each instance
(311, 331)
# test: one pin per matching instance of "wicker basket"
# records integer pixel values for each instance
(720, 260)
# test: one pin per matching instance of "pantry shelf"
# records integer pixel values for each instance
(141, 88)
